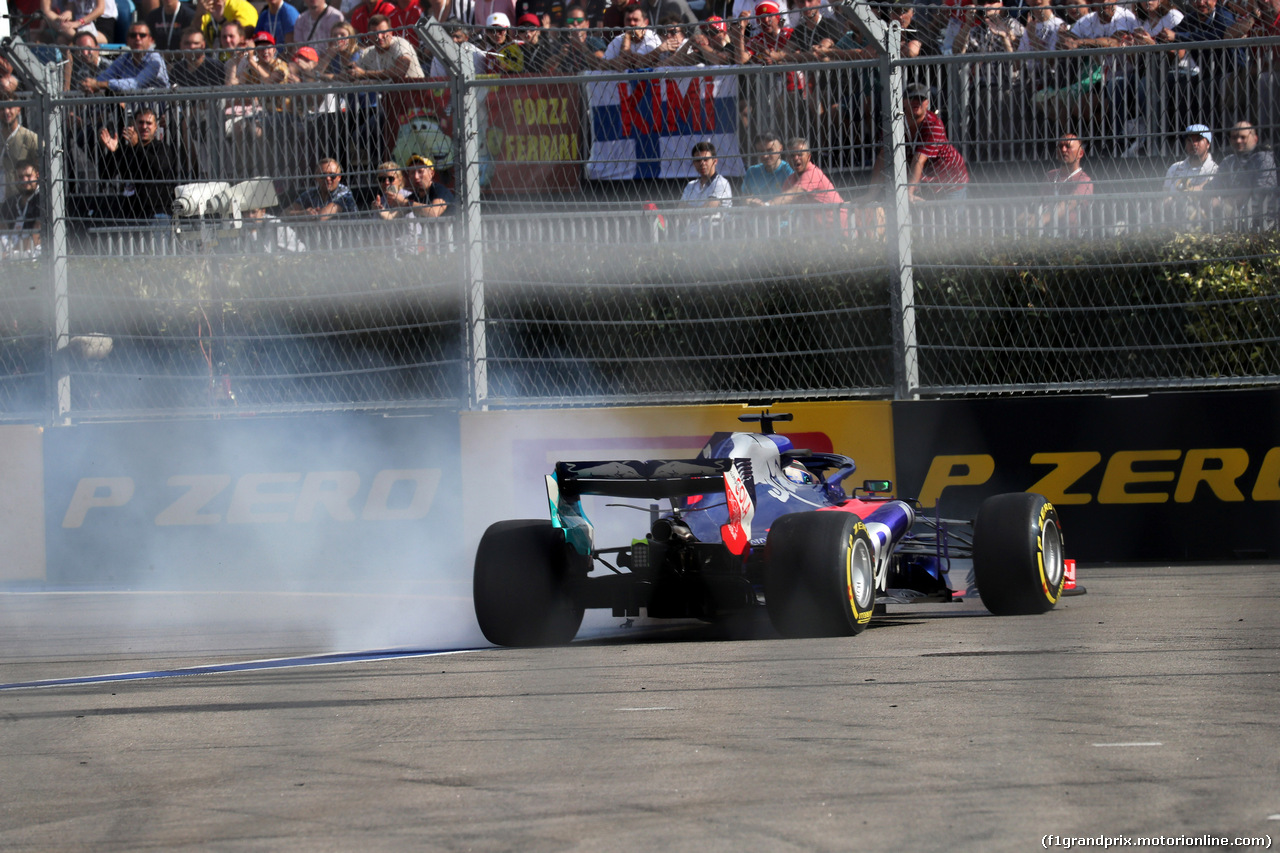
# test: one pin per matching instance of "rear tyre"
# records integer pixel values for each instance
(819, 575)
(521, 585)
(1017, 554)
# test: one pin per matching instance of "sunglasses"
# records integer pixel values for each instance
(138, 35)
(575, 20)
(386, 179)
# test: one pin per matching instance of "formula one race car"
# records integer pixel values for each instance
(752, 522)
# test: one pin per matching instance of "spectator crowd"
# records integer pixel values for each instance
(1091, 97)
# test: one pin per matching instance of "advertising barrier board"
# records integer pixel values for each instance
(1164, 477)
(316, 503)
(21, 504)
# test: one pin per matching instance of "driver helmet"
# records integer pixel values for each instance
(800, 475)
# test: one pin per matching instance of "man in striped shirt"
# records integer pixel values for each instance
(935, 168)
(936, 171)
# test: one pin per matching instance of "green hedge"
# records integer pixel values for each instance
(1125, 311)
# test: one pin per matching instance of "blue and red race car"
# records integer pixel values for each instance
(754, 522)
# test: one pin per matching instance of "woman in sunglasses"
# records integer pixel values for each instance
(391, 190)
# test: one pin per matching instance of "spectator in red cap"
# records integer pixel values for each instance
(779, 100)
(253, 118)
(769, 47)
(749, 7)
(305, 68)
(259, 66)
(536, 50)
(710, 42)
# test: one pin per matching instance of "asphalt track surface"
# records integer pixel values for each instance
(1147, 707)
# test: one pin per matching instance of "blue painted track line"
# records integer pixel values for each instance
(242, 666)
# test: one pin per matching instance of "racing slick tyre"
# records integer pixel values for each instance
(521, 585)
(1017, 554)
(819, 575)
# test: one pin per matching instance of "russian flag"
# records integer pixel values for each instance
(647, 128)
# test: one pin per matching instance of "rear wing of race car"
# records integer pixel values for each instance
(654, 479)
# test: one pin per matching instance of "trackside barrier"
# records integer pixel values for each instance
(351, 502)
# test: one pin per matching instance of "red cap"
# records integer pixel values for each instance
(264, 37)
(717, 23)
(308, 53)
(528, 20)
(767, 7)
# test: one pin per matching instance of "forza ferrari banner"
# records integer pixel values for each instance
(529, 135)
(533, 135)
(647, 128)
(1159, 477)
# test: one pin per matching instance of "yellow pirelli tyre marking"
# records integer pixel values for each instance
(1050, 594)
(860, 616)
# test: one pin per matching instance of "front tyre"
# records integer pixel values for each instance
(819, 575)
(1017, 554)
(521, 585)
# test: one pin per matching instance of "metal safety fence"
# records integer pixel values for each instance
(518, 238)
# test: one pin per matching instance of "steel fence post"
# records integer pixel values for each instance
(906, 370)
(47, 82)
(466, 134)
(906, 378)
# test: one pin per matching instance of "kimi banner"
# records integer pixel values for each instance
(647, 128)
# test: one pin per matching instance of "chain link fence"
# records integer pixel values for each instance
(558, 250)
